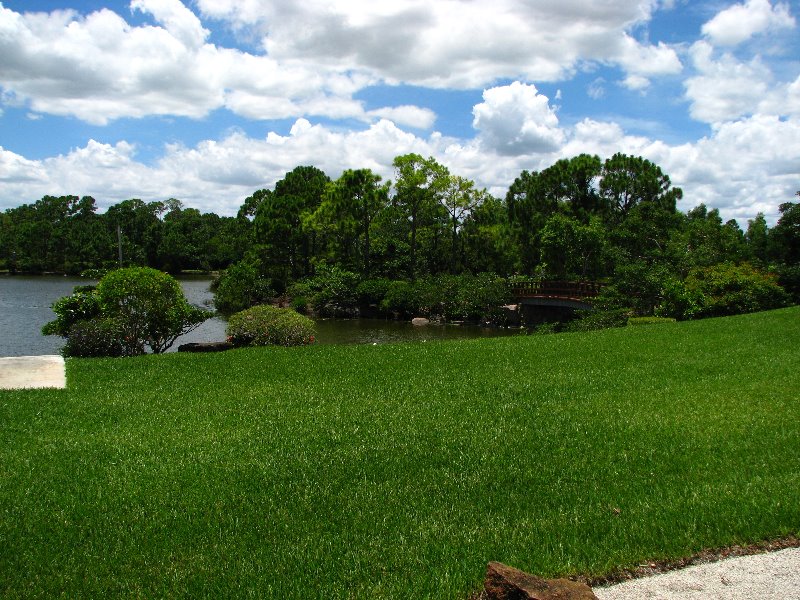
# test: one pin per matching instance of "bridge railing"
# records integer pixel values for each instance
(556, 289)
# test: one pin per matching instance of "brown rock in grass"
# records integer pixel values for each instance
(507, 583)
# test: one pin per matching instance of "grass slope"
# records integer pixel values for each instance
(398, 471)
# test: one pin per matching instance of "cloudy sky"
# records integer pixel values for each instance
(210, 100)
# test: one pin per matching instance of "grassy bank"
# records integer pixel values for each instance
(398, 471)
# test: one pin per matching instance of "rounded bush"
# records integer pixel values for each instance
(149, 306)
(266, 325)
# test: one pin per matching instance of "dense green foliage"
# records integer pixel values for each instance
(331, 291)
(265, 325)
(448, 297)
(398, 471)
(241, 286)
(130, 310)
(79, 306)
(723, 289)
(149, 306)
(316, 239)
(95, 337)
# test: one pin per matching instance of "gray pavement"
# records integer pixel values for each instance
(23, 372)
(768, 576)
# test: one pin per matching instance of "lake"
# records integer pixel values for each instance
(25, 303)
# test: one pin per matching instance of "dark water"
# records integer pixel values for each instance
(380, 331)
(25, 307)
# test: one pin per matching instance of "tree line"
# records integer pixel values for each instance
(65, 234)
(613, 220)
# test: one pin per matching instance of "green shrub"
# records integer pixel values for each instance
(372, 291)
(633, 321)
(241, 286)
(82, 304)
(94, 337)
(478, 297)
(299, 304)
(400, 299)
(720, 290)
(729, 289)
(465, 297)
(149, 307)
(431, 296)
(679, 302)
(266, 325)
(789, 280)
(299, 288)
(593, 320)
(129, 311)
(333, 291)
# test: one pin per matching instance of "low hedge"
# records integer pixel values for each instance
(649, 320)
(265, 325)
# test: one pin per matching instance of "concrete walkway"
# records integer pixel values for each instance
(769, 576)
(23, 372)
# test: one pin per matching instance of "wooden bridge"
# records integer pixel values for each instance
(565, 294)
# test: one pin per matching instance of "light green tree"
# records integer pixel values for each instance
(149, 306)
(419, 185)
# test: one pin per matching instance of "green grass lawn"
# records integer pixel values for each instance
(398, 471)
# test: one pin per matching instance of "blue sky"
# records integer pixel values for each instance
(209, 100)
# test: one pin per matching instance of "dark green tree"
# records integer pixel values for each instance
(706, 241)
(786, 234)
(140, 228)
(286, 247)
(487, 240)
(529, 208)
(627, 181)
(757, 238)
(572, 250)
(459, 197)
(345, 216)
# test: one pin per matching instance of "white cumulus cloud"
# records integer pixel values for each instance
(411, 116)
(314, 55)
(740, 22)
(725, 88)
(178, 20)
(516, 119)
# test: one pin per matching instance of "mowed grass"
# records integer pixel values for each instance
(398, 471)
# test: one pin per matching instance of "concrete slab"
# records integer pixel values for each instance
(770, 576)
(22, 372)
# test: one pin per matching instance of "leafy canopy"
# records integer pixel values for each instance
(131, 309)
(150, 307)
